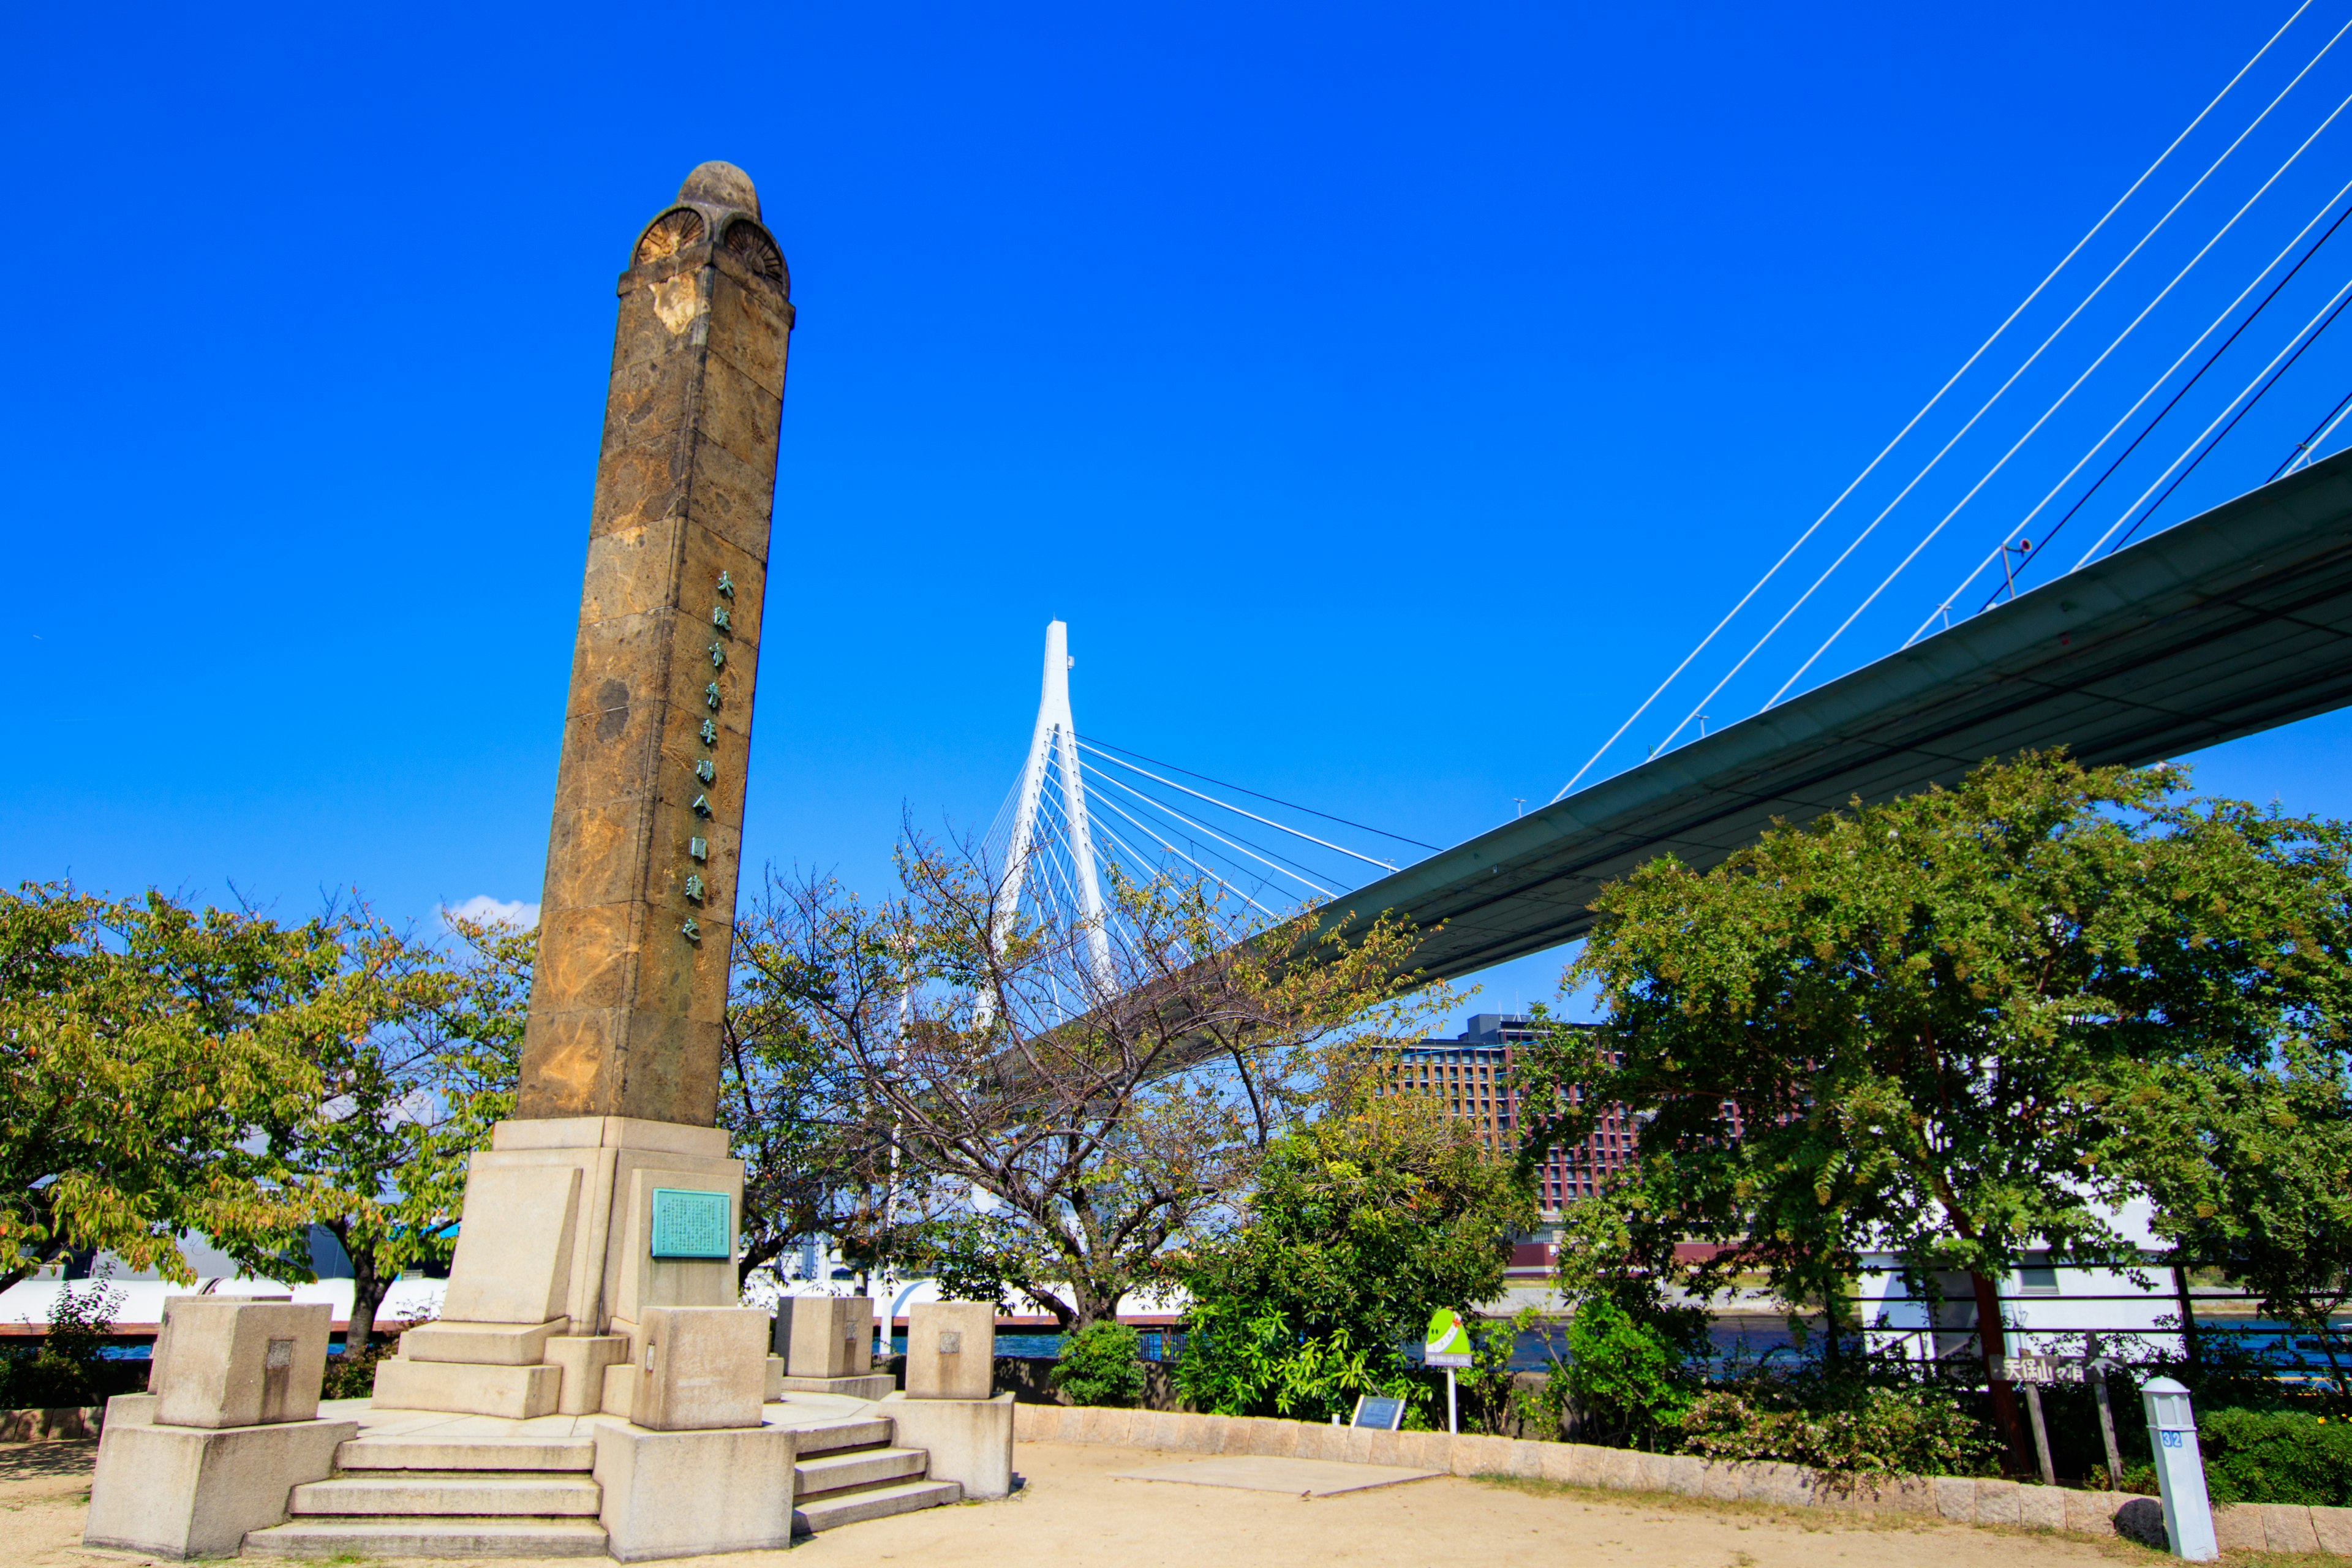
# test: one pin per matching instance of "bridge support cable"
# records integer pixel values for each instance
(2308, 448)
(2170, 403)
(1094, 742)
(2033, 429)
(1998, 393)
(2036, 293)
(2305, 335)
(1165, 809)
(1237, 811)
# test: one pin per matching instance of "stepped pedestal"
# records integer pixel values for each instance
(575, 1229)
(422, 1486)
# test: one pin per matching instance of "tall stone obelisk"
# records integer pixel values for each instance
(645, 848)
(609, 1196)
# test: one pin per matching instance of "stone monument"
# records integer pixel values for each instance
(609, 1195)
(595, 1263)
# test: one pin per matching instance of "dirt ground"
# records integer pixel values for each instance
(1072, 1509)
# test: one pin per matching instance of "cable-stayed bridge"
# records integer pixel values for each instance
(2155, 373)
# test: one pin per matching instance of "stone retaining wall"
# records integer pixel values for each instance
(56, 1425)
(2275, 1527)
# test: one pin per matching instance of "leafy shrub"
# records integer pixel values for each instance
(1098, 1365)
(69, 1366)
(2277, 1456)
(1629, 1381)
(1859, 1430)
(351, 1374)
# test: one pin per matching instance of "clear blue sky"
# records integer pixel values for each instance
(1386, 395)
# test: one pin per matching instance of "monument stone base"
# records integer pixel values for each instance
(968, 1440)
(556, 1267)
(195, 1491)
(686, 1494)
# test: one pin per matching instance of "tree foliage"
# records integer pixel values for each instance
(1363, 1223)
(1943, 1027)
(1016, 1120)
(143, 1042)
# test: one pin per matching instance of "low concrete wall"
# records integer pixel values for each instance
(58, 1424)
(2274, 1527)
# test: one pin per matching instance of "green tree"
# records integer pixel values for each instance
(1016, 1120)
(2250, 1167)
(1909, 1027)
(1363, 1223)
(143, 1045)
(415, 1049)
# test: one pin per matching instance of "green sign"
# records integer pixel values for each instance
(1448, 1343)
(692, 1225)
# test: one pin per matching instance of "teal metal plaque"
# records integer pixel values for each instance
(691, 1225)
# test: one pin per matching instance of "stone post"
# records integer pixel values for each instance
(644, 850)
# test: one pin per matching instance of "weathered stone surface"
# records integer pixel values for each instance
(1956, 1500)
(2238, 1527)
(701, 1368)
(686, 1494)
(968, 1440)
(1997, 1502)
(625, 1003)
(2331, 1527)
(225, 1362)
(2286, 1527)
(2041, 1508)
(825, 1336)
(952, 1354)
(186, 1491)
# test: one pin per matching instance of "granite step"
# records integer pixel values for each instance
(858, 1504)
(456, 1493)
(467, 1454)
(448, 1536)
(846, 1434)
(857, 1468)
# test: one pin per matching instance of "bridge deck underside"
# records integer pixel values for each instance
(2236, 621)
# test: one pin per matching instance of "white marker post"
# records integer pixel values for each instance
(2179, 1471)
(1447, 1345)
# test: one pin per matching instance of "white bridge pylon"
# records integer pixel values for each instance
(1054, 852)
(1055, 739)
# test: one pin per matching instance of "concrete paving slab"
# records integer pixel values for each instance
(1294, 1477)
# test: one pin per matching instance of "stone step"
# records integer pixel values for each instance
(456, 1493)
(846, 1434)
(365, 1537)
(856, 1468)
(872, 1502)
(467, 1454)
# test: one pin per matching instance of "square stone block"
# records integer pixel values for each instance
(686, 1494)
(826, 1336)
(2286, 1527)
(2332, 1527)
(221, 1362)
(701, 1368)
(950, 1349)
(514, 1244)
(188, 1491)
(2041, 1508)
(968, 1440)
(2238, 1527)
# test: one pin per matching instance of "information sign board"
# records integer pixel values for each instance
(1448, 1343)
(691, 1225)
(1378, 1414)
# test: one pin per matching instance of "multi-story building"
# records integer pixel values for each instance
(1471, 1076)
